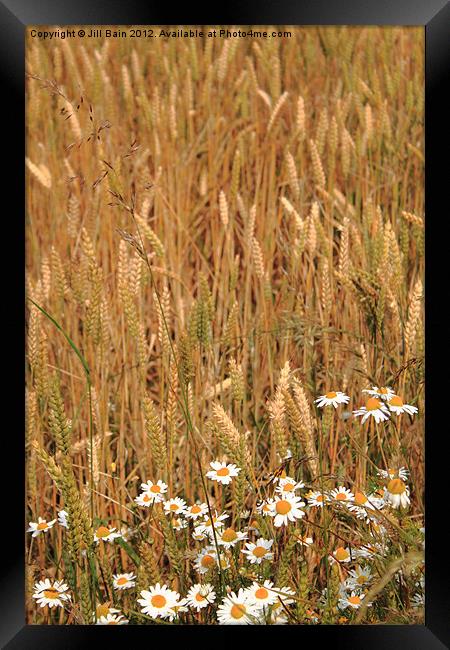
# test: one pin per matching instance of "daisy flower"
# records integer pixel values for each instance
(362, 503)
(385, 392)
(217, 521)
(178, 608)
(62, 518)
(317, 498)
(374, 408)
(52, 594)
(354, 601)
(332, 398)
(288, 485)
(261, 595)
(393, 473)
(178, 523)
(198, 535)
(368, 551)
(397, 493)
(196, 510)
(341, 554)
(158, 601)
(151, 493)
(103, 610)
(200, 596)
(205, 560)
(229, 537)
(264, 508)
(41, 526)
(105, 534)
(359, 577)
(283, 597)
(342, 494)
(112, 619)
(222, 473)
(397, 406)
(418, 600)
(236, 609)
(175, 506)
(259, 551)
(124, 581)
(286, 509)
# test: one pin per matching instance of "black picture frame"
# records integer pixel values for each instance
(434, 16)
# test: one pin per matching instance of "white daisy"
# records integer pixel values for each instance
(259, 551)
(200, 596)
(112, 619)
(41, 526)
(287, 485)
(222, 473)
(177, 608)
(261, 595)
(198, 535)
(283, 598)
(228, 537)
(397, 406)
(51, 594)
(342, 495)
(333, 397)
(286, 509)
(158, 601)
(418, 600)
(317, 498)
(384, 392)
(341, 554)
(362, 504)
(206, 560)
(196, 510)
(374, 408)
(303, 540)
(397, 493)
(103, 610)
(62, 518)
(124, 581)
(151, 493)
(206, 525)
(353, 601)
(178, 523)
(105, 534)
(359, 577)
(236, 609)
(264, 508)
(175, 506)
(402, 473)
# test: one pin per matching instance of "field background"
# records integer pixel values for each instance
(277, 187)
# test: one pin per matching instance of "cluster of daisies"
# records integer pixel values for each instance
(382, 402)
(260, 602)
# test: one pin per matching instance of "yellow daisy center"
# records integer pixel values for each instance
(361, 580)
(146, 498)
(360, 498)
(122, 581)
(207, 561)
(331, 395)
(158, 601)
(396, 401)
(341, 554)
(373, 404)
(320, 497)
(102, 610)
(199, 597)
(103, 531)
(238, 611)
(229, 535)
(223, 471)
(261, 593)
(396, 486)
(341, 496)
(283, 507)
(174, 506)
(155, 489)
(51, 593)
(383, 391)
(354, 600)
(42, 526)
(195, 510)
(288, 487)
(259, 551)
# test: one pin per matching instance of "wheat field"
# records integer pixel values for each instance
(220, 232)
